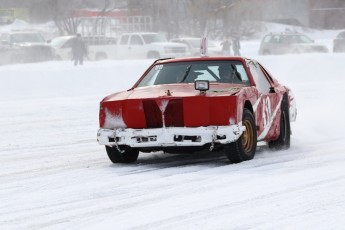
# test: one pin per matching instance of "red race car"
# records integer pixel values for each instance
(182, 105)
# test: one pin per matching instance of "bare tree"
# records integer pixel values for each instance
(101, 21)
(64, 15)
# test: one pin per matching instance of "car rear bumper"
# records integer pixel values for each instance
(171, 136)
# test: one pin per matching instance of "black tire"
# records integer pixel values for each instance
(244, 148)
(283, 141)
(128, 156)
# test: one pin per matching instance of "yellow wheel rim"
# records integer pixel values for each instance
(247, 137)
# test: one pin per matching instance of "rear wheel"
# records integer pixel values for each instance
(128, 155)
(244, 148)
(283, 141)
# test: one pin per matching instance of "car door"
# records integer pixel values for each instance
(273, 46)
(66, 50)
(267, 110)
(5, 57)
(136, 48)
(122, 46)
(286, 44)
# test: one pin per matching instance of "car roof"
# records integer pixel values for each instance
(213, 58)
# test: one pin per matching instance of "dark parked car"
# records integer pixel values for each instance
(24, 47)
(339, 43)
(284, 43)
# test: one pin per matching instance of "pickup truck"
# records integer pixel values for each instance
(149, 45)
(127, 46)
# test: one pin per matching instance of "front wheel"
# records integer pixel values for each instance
(244, 148)
(126, 155)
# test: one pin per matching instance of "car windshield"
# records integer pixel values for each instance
(149, 38)
(305, 39)
(27, 37)
(58, 42)
(187, 72)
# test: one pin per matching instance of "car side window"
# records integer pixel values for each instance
(262, 84)
(68, 44)
(285, 39)
(124, 40)
(267, 38)
(136, 40)
(275, 39)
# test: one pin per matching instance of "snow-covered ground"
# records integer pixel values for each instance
(54, 175)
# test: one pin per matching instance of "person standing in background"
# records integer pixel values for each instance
(78, 50)
(226, 45)
(236, 46)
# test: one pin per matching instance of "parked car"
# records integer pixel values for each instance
(26, 47)
(213, 49)
(283, 43)
(339, 43)
(184, 105)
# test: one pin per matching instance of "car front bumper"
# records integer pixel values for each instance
(170, 137)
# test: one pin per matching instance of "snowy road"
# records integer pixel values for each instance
(54, 175)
